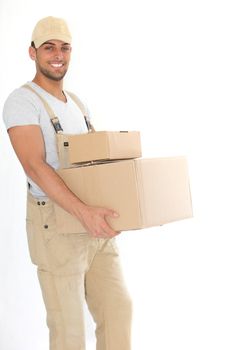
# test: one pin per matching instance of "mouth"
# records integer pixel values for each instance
(57, 65)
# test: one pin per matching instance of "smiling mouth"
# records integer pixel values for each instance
(56, 65)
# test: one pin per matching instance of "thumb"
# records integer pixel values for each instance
(112, 213)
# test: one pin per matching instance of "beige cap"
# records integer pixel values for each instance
(50, 28)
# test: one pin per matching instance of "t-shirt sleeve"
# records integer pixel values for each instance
(20, 109)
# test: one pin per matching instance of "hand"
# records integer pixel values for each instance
(94, 220)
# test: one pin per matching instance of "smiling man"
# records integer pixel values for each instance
(72, 268)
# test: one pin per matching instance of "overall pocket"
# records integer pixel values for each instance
(60, 248)
(31, 236)
(36, 228)
(49, 249)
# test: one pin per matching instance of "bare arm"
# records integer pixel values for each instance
(28, 144)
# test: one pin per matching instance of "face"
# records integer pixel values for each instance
(52, 59)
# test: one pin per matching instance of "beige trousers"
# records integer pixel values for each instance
(73, 268)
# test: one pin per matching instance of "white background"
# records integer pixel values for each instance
(164, 68)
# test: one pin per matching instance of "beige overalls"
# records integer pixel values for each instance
(73, 268)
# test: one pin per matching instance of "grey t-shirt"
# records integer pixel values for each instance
(23, 107)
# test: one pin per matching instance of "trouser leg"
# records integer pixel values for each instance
(108, 299)
(62, 262)
(63, 297)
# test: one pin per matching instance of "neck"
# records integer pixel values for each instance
(53, 87)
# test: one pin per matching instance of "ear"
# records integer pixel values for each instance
(32, 53)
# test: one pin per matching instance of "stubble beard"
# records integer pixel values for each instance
(50, 75)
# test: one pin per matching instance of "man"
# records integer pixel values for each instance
(71, 267)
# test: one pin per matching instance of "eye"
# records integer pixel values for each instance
(66, 48)
(48, 48)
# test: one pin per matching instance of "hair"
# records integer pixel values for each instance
(33, 44)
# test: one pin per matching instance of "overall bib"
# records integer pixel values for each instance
(73, 268)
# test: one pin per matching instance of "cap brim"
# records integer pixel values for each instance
(41, 40)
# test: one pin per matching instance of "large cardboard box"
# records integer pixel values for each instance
(103, 145)
(145, 192)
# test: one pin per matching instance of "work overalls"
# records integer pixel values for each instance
(75, 267)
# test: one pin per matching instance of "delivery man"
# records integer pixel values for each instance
(72, 268)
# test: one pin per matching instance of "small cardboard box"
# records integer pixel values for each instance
(103, 145)
(145, 192)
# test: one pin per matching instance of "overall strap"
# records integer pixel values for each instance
(54, 120)
(84, 110)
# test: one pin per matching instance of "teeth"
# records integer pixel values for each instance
(56, 65)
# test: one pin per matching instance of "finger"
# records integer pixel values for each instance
(108, 230)
(102, 231)
(111, 213)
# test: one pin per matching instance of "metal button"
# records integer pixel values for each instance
(38, 203)
(46, 226)
(43, 203)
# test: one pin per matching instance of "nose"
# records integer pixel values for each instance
(58, 54)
